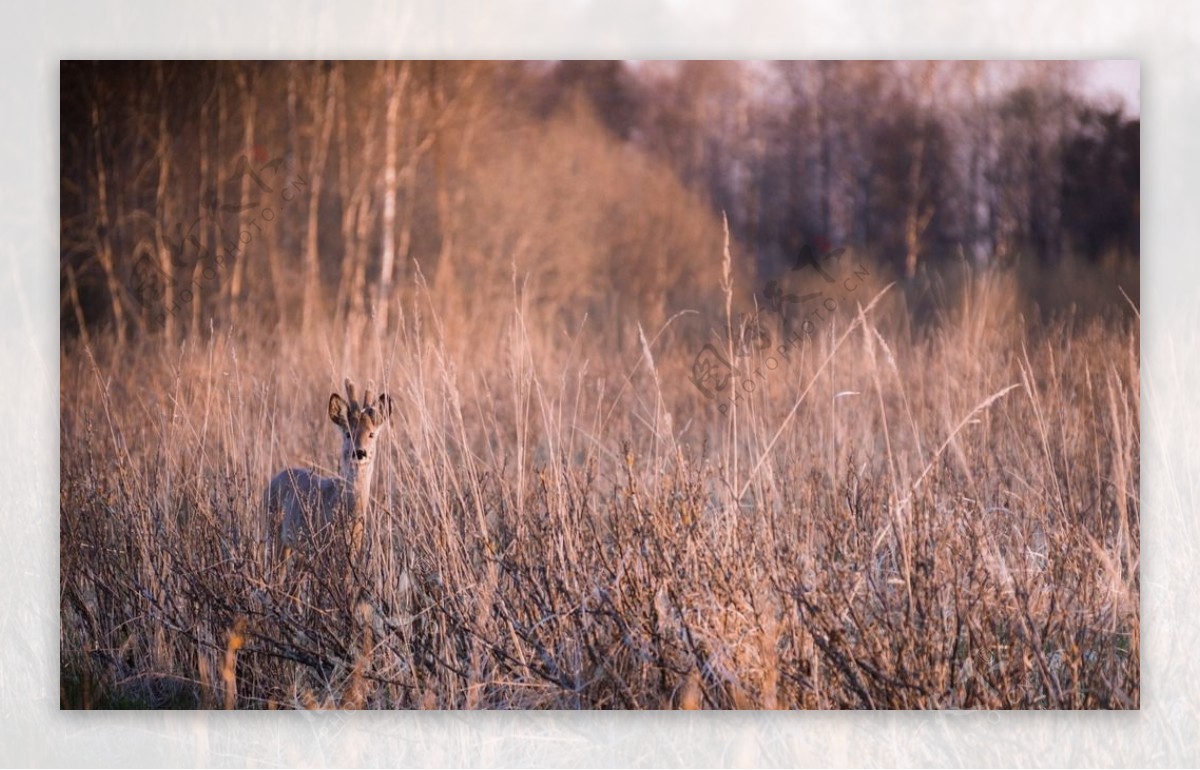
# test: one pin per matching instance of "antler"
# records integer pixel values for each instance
(368, 399)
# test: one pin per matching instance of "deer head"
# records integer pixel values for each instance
(361, 423)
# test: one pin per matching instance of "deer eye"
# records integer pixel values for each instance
(371, 436)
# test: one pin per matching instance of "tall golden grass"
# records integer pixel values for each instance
(940, 514)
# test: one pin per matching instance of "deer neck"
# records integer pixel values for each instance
(356, 488)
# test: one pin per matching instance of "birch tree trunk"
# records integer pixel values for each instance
(323, 126)
(388, 256)
(202, 234)
(357, 218)
(242, 249)
(161, 209)
(104, 250)
(221, 278)
(346, 195)
(916, 215)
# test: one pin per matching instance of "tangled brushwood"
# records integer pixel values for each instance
(941, 515)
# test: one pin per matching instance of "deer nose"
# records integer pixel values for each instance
(360, 454)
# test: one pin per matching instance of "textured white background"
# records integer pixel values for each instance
(1163, 35)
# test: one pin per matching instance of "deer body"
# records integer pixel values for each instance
(304, 507)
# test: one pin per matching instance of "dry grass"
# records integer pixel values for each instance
(899, 516)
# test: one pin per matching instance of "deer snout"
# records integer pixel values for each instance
(360, 454)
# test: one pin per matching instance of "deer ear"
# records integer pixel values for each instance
(338, 409)
(385, 407)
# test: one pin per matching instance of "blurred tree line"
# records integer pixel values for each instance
(198, 193)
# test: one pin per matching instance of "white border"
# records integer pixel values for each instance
(1162, 35)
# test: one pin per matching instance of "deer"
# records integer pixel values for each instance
(304, 508)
